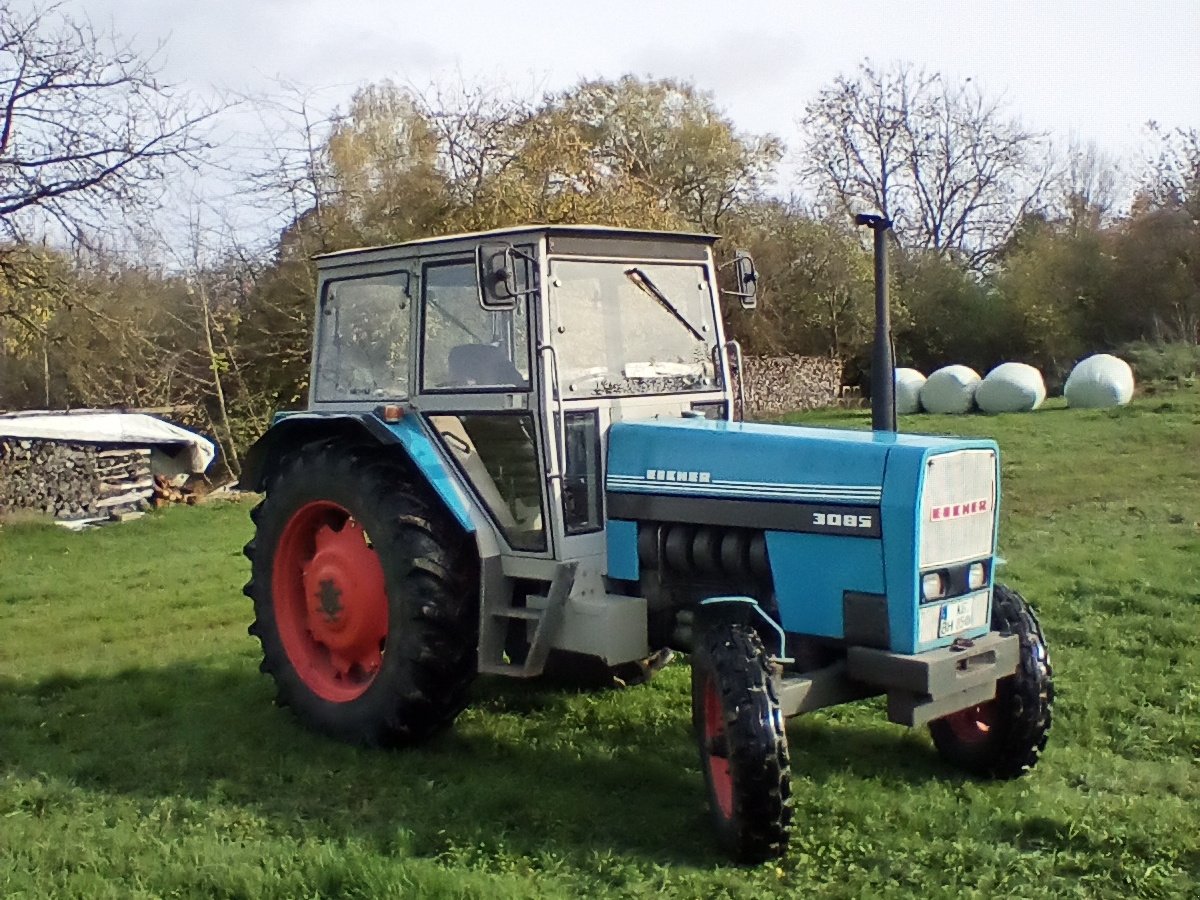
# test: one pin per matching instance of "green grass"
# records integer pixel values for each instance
(140, 753)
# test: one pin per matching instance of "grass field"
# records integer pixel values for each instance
(141, 755)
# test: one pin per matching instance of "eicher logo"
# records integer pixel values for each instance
(673, 475)
(959, 510)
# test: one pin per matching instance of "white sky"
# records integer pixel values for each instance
(1093, 71)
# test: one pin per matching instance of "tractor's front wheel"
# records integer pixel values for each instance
(1004, 737)
(364, 597)
(743, 746)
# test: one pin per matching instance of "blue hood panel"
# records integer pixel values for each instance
(698, 457)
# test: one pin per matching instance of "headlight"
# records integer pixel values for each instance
(976, 576)
(933, 586)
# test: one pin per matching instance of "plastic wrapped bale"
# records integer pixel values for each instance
(908, 391)
(950, 390)
(1011, 387)
(1099, 381)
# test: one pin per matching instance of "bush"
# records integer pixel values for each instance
(1163, 362)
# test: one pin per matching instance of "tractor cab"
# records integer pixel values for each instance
(518, 349)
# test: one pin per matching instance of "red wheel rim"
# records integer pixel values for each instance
(973, 725)
(330, 601)
(714, 739)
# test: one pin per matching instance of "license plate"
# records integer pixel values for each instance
(955, 617)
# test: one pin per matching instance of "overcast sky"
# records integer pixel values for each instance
(1092, 71)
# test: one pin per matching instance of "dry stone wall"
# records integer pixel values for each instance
(780, 384)
(71, 481)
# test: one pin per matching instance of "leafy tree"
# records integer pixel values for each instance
(815, 284)
(1155, 287)
(1054, 286)
(945, 315)
(671, 140)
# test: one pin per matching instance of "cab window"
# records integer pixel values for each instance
(465, 347)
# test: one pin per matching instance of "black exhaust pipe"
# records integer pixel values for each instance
(883, 357)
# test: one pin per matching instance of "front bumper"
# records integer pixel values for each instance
(926, 686)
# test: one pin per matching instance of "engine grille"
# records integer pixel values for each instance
(958, 508)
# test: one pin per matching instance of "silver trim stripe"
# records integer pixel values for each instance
(823, 493)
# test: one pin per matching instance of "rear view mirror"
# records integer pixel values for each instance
(497, 276)
(745, 279)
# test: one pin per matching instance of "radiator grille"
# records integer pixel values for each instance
(958, 507)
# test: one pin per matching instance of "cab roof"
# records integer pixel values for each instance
(595, 232)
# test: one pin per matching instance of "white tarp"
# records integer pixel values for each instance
(950, 389)
(112, 428)
(1011, 387)
(1099, 381)
(908, 391)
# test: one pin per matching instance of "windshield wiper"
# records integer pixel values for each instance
(642, 280)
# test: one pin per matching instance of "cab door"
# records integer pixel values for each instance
(476, 389)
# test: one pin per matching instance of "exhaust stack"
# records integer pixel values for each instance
(883, 357)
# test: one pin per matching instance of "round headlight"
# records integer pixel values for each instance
(976, 576)
(933, 586)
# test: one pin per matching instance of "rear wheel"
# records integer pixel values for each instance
(743, 747)
(364, 597)
(1004, 737)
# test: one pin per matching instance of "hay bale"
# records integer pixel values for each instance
(908, 391)
(1099, 382)
(950, 390)
(1011, 387)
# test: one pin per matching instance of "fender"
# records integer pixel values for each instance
(738, 606)
(295, 429)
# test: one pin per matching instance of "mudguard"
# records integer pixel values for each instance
(294, 429)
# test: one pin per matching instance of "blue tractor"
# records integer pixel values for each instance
(520, 450)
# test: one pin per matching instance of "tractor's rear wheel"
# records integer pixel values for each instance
(365, 597)
(1004, 737)
(743, 746)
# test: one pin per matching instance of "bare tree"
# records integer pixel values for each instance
(1172, 178)
(942, 160)
(86, 127)
(1086, 187)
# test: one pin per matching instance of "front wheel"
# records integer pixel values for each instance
(1004, 737)
(743, 747)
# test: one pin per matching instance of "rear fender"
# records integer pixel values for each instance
(296, 430)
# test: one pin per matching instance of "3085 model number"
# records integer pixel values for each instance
(843, 520)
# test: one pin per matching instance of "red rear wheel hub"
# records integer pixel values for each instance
(330, 601)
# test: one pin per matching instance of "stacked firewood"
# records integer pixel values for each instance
(72, 481)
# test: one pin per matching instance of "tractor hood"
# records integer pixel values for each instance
(775, 475)
(848, 517)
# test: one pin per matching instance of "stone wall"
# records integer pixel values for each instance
(780, 384)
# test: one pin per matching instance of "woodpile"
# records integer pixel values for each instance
(780, 384)
(74, 481)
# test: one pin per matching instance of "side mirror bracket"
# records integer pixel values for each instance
(745, 279)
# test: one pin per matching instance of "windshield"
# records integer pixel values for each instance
(632, 328)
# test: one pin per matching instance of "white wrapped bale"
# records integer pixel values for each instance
(1011, 387)
(1099, 382)
(950, 389)
(908, 391)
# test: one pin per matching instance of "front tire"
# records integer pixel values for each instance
(1004, 738)
(743, 747)
(365, 597)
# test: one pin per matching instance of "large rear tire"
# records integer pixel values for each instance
(365, 597)
(1004, 738)
(743, 746)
